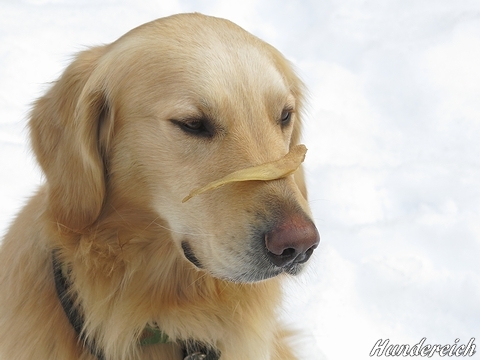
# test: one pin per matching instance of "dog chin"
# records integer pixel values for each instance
(259, 275)
(252, 274)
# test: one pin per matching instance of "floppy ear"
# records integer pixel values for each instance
(64, 129)
(297, 89)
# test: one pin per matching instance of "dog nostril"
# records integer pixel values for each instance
(284, 259)
(304, 257)
(288, 252)
(291, 242)
(309, 252)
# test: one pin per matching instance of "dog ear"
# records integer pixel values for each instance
(296, 135)
(299, 93)
(297, 88)
(64, 126)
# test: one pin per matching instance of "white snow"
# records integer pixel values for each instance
(393, 131)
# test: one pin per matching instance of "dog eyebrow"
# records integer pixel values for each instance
(290, 102)
(265, 172)
(206, 112)
(280, 103)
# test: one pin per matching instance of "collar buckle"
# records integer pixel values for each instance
(196, 356)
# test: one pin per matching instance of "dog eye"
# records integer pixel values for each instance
(286, 117)
(196, 127)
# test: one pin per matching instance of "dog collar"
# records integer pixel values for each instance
(191, 349)
(152, 335)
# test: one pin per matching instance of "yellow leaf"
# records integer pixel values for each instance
(269, 171)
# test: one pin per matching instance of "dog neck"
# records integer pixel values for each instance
(151, 335)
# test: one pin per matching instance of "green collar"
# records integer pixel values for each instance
(153, 335)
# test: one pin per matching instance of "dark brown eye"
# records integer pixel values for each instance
(286, 117)
(196, 127)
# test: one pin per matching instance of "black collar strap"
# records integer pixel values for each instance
(192, 350)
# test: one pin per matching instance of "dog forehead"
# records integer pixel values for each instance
(209, 52)
(179, 62)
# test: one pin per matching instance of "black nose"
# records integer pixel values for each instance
(292, 241)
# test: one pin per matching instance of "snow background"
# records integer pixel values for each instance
(393, 131)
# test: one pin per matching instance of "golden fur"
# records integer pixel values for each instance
(117, 169)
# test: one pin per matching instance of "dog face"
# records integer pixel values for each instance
(172, 106)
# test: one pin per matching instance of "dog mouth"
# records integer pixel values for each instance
(190, 255)
(265, 272)
(256, 267)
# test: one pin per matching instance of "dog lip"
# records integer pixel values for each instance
(190, 255)
(294, 269)
(257, 276)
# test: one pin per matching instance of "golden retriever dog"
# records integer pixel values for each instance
(108, 260)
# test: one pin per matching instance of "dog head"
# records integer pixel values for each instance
(169, 107)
